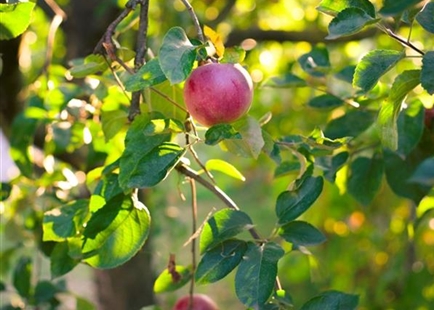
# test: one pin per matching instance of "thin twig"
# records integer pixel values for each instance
(187, 171)
(195, 20)
(401, 40)
(168, 99)
(193, 242)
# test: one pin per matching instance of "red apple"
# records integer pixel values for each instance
(218, 93)
(200, 302)
(429, 117)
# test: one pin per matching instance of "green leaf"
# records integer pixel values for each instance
(5, 191)
(316, 62)
(251, 143)
(2, 286)
(388, 116)
(177, 55)
(116, 232)
(223, 225)
(171, 281)
(224, 167)
(301, 233)
(146, 160)
(410, 127)
(426, 17)
(60, 261)
(45, 291)
(108, 187)
(220, 261)
(163, 126)
(149, 74)
(348, 22)
(220, 132)
(285, 81)
(374, 65)
(21, 278)
(428, 72)
(15, 18)
(233, 55)
(286, 167)
(292, 204)
(364, 180)
(256, 274)
(331, 164)
(332, 300)
(333, 7)
(350, 124)
(396, 7)
(424, 173)
(113, 122)
(65, 221)
(346, 74)
(325, 101)
(91, 64)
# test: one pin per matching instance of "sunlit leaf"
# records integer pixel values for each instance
(388, 116)
(348, 22)
(15, 18)
(258, 268)
(65, 221)
(374, 65)
(332, 300)
(224, 167)
(220, 261)
(426, 17)
(292, 204)
(325, 101)
(301, 233)
(428, 72)
(216, 40)
(148, 75)
(396, 7)
(177, 55)
(163, 126)
(91, 64)
(172, 280)
(116, 232)
(364, 180)
(285, 81)
(113, 122)
(233, 55)
(333, 7)
(223, 225)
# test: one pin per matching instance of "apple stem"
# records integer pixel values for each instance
(195, 20)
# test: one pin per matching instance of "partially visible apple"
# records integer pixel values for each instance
(429, 117)
(218, 93)
(200, 302)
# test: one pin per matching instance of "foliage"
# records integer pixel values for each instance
(375, 132)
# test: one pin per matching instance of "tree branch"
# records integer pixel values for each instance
(195, 20)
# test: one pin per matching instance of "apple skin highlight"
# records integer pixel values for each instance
(218, 93)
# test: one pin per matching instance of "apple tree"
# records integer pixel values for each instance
(180, 115)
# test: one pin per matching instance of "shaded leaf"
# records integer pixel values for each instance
(287, 167)
(396, 7)
(426, 17)
(348, 22)
(332, 300)
(331, 164)
(220, 132)
(301, 233)
(5, 190)
(60, 261)
(374, 65)
(316, 62)
(258, 268)
(346, 74)
(285, 81)
(167, 282)
(116, 232)
(91, 64)
(364, 180)
(325, 101)
(22, 276)
(350, 124)
(233, 55)
(427, 73)
(45, 291)
(424, 173)
(223, 225)
(292, 204)
(112, 122)
(148, 75)
(410, 127)
(15, 18)
(177, 55)
(333, 7)
(224, 167)
(220, 261)
(388, 116)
